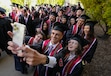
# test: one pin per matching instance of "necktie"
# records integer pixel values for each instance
(50, 49)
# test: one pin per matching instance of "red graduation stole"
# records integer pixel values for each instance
(48, 22)
(86, 50)
(54, 51)
(58, 19)
(75, 29)
(44, 45)
(36, 73)
(70, 65)
(30, 42)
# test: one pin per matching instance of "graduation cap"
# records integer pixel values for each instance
(73, 8)
(65, 16)
(90, 23)
(80, 40)
(60, 27)
(80, 9)
(64, 7)
(54, 14)
(2, 10)
(85, 17)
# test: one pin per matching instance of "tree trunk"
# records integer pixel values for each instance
(105, 30)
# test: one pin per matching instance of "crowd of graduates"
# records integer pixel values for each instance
(59, 40)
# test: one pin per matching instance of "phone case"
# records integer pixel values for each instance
(18, 33)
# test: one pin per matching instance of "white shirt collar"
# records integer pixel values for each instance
(71, 56)
(54, 45)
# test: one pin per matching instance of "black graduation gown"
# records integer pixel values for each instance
(36, 23)
(21, 65)
(69, 33)
(77, 71)
(29, 26)
(91, 50)
(61, 55)
(5, 26)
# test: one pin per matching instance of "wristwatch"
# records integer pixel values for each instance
(47, 59)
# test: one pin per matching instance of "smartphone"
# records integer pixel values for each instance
(18, 34)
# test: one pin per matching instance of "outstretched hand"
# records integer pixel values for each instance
(33, 57)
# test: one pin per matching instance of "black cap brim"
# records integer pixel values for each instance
(81, 40)
(60, 27)
(2, 10)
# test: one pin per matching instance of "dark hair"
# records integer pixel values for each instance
(41, 34)
(79, 49)
(36, 14)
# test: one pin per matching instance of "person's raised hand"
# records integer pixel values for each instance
(13, 47)
(33, 57)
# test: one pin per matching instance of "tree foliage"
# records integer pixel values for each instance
(39, 2)
(20, 2)
(99, 10)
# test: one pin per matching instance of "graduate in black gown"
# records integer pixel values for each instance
(5, 25)
(57, 60)
(78, 27)
(88, 34)
(70, 61)
(50, 47)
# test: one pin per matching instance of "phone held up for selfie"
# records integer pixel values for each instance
(18, 34)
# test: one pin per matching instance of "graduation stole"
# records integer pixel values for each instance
(86, 50)
(75, 29)
(48, 22)
(58, 19)
(54, 51)
(81, 31)
(30, 42)
(36, 73)
(70, 65)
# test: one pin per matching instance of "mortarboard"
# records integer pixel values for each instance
(54, 14)
(60, 27)
(85, 17)
(80, 9)
(90, 23)
(73, 8)
(2, 10)
(80, 40)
